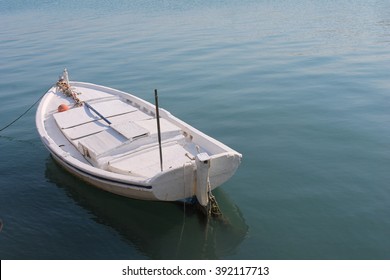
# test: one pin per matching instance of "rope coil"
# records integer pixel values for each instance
(64, 86)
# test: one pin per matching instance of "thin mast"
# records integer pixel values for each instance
(158, 128)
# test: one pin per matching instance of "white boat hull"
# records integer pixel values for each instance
(92, 150)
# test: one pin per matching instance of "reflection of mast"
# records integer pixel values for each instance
(178, 236)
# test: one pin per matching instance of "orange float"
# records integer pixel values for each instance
(63, 108)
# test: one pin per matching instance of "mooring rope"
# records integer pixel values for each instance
(15, 120)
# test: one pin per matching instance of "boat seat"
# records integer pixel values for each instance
(146, 163)
(125, 137)
(93, 127)
(82, 115)
(168, 129)
(94, 146)
(130, 130)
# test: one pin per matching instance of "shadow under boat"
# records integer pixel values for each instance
(159, 230)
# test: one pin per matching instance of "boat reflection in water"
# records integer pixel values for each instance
(159, 230)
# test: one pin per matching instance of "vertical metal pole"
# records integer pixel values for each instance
(158, 128)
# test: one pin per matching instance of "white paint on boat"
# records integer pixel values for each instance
(113, 144)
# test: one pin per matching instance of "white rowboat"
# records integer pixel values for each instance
(110, 139)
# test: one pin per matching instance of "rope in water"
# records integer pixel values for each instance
(15, 120)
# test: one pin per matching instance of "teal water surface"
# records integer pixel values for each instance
(300, 88)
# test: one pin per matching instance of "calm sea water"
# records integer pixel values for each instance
(300, 88)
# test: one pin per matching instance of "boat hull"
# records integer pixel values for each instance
(175, 182)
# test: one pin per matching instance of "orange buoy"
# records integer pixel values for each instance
(63, 108)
